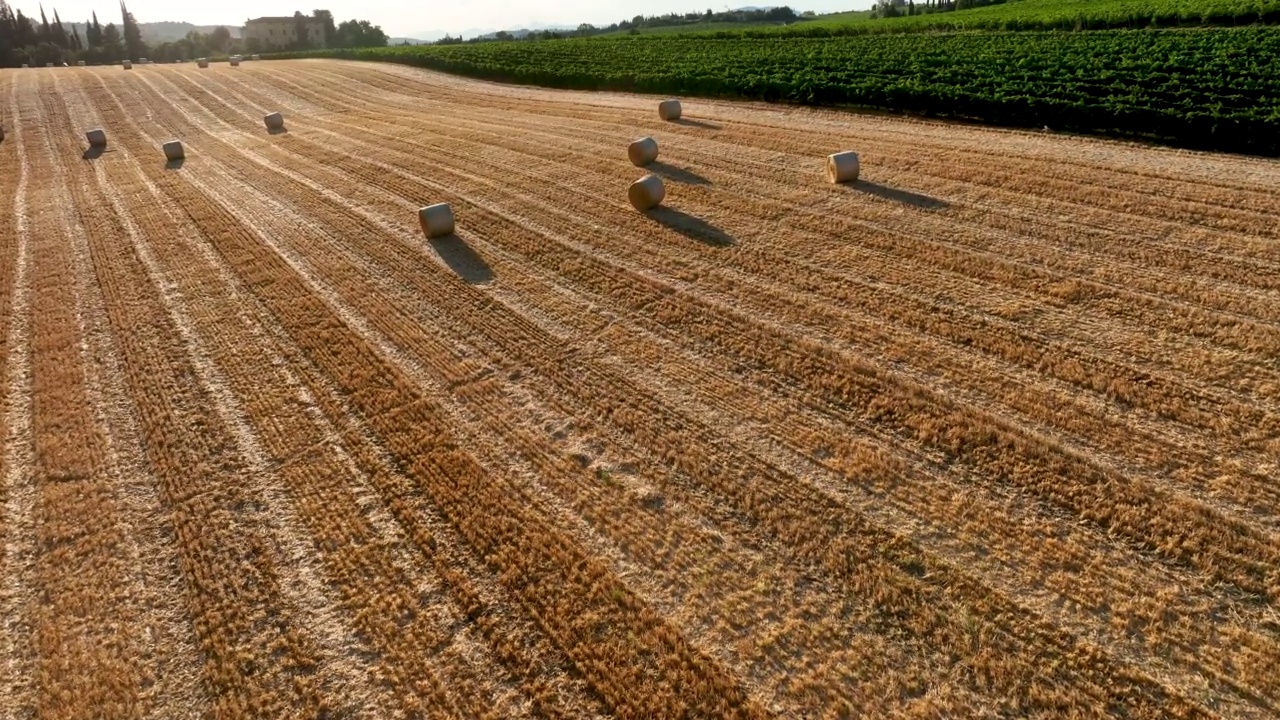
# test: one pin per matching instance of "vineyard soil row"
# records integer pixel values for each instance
(991, 431)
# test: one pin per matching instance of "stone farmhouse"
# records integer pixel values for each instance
(280, 32)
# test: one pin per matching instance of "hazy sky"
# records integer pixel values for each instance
(407, 18)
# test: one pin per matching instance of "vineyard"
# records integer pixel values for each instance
(991, 431)
(1005, 15)
(1043, 15)
(1209, 89)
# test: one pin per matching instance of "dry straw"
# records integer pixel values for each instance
(646, 193)
(274, 121)
(842, 167)
(173, 151)
(97, 137)
(436, 220)
(669, 109)
(642, 151)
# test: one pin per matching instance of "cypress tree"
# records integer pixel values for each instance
(93, 32)
(8, 36)
(134, 47)
(58, 33)
(24, 32)
(8, 32)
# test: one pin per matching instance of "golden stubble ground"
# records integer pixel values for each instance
(992, 431)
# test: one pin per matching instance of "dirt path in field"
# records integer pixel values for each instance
(992, 431)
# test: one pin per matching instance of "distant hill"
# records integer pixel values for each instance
(427, 36)
(430, 36)
(522, 32)
(158, 32)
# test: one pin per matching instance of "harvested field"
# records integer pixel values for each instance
(993, 431)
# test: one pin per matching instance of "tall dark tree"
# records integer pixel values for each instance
(93, 32)
(360, 33)
(58, 32)
(8, 36)
(220, 39)
(111, 35)
(24, 32)
(301, 41)
(133, 45)
(7, 31)
(330, 30)
(45, 30)
(112, 49)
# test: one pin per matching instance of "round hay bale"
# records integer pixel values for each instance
(646, 193)
(669, 109)
(203, 62)
(436, 220)
(25, 66)
(255, 57)
(127, 65)
(274, 121)
(173, 150)
(79, 63)
(643, 151)
(97, 137)
(48, 64)
(235, 62)
(842, 167)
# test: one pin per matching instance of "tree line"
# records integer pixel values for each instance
(37, 42)
(23, 40)
(899, 8)
(778, 15)
(347, 34)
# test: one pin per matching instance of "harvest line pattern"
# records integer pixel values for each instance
(990, 431)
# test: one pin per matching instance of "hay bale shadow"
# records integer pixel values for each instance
(277, 131)
(906, 197)
(462, 259)
(175, 164)
(671, 172)
(691, 227)
(696, 124)
(93, 152)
